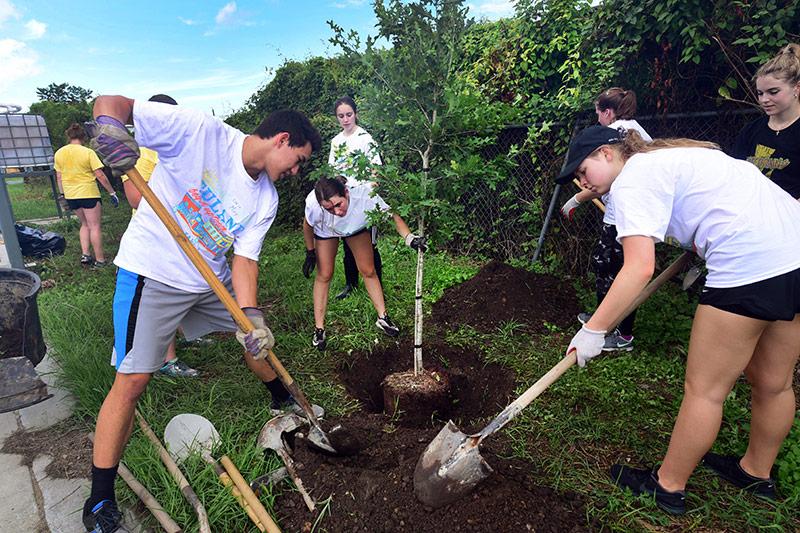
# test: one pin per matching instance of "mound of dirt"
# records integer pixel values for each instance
(374, 491)
(501, 293)
(476, 388)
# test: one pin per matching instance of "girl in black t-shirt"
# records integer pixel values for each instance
(772, 142)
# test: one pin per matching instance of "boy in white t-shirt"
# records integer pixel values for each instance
(336, 211)
(690, 194)
(217, 183)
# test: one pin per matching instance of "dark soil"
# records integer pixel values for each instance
(423, 395)
(477, 389)
(501, 293)
(67, 443)
(373, 491)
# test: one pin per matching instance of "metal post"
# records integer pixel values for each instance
(7, 227)
(52, 178)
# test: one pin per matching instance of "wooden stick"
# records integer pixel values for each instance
(226, 481)
(595, 201)
(176, 473)
(248, 495)
(149, 501)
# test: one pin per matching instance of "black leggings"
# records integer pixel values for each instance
(351, 269)
(607, 260)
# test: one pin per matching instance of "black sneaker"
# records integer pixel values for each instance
(319, 340)
(103, 518)
(290, 405)
(645, 481)
(728, 467)
(386, 325)
(345, 292)
(87, 260)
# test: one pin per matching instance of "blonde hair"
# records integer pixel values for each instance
(633, 144)
(784, 66)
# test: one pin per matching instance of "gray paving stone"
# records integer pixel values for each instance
(63, 498)
(8, 425)
(52, 411)
(18, 509)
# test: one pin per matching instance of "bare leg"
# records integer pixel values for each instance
(720, 348)
(361, 246)
(93, 216)
(115, 419)
(260, 368)
(773, 404)
(83, 233)
(326, 256)
(171, 351)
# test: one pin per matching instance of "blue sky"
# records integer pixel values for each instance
(210, 55)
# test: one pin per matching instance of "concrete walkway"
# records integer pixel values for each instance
(30, 500)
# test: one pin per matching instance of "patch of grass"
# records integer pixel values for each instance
(32, 199)
(621, 408)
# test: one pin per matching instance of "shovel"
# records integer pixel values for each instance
(452, 466)
(316, 435)
(189, 433)
(271, 438)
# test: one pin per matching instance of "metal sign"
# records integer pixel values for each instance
(24, 142)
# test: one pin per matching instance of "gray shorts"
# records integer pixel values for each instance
(147, 314)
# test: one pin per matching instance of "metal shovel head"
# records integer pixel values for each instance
(189, 433)
(690, 277)
(271, 436)
(450, 467)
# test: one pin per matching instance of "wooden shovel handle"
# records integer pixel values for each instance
(216, 285)
(249, 495)
(571, 358)
(226, 481)
(176, 473)
(595, 201)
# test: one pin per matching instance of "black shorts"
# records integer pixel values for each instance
(83, 203)
(776, 298)
(359, 232)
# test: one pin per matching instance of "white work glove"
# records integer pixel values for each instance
(258, 341)
(587, 343)
(568, 209)
(416, 242)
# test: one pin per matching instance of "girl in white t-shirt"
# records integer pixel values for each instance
(689, 193)
(351, 140)
(336, 211)
(615, 108)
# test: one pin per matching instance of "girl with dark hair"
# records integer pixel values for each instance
(336, 211)
(77, 167)
(748, 317)
(772, 142)
(615, 108)
(351, 140)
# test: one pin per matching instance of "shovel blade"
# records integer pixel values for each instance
(450, 467)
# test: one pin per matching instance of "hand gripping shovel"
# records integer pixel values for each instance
(189, 433)
(316, 435)
(452, 466)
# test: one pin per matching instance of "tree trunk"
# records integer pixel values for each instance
(418, 306)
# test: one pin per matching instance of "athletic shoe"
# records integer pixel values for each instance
(618, 343)
(178, 369)
(645, 481)
(386, 325)
(103, 518)
(87, 260)
(728, 467)
(319, 340)
(345, 292)
(100, 264)
(583, 318)
(290, 405)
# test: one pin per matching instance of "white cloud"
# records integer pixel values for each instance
(188, 22)
(36, 29)
(17, 62)
(224, 15)
(7, 11)
(492, 9)
(348, 3)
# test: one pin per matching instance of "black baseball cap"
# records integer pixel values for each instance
(584, 143)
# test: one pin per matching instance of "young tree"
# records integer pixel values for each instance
(64, 93)
(433, 124)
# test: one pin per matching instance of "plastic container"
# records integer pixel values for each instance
(20, 328)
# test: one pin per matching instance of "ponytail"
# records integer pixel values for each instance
(632, 144)
(325, 188)
(621, 101)
(75, 131)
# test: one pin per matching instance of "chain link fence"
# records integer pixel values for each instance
(508, 222)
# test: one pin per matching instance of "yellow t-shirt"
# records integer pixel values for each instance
(146, 164)
(77, 164)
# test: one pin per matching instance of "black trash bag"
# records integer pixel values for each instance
(36, 243)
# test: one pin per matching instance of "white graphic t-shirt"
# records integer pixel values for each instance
(202, 181)
(327, 225)
(344, 146)
(626, 125)
(745, 227)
